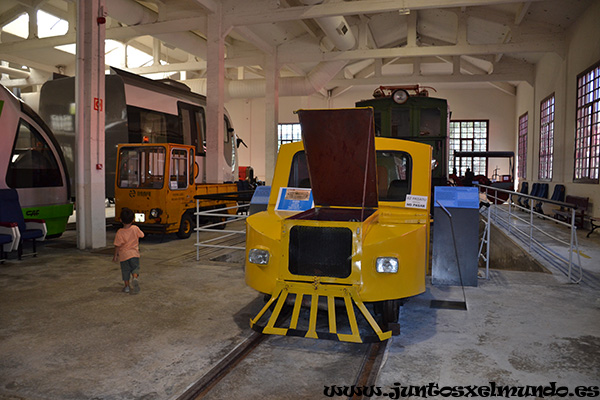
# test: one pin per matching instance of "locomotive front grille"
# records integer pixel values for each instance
(316, 251)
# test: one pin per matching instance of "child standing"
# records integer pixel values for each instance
(127, 251)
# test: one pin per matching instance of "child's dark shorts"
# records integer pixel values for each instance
(131, 266)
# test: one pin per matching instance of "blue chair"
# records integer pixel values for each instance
(543, 193)
(524, 190)
(9, 238)
(559, 193)
(10, 212)
(535, 189)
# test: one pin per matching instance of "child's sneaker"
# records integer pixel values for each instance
(136, 286)
(126, 289)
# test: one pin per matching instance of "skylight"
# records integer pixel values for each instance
(48, 25)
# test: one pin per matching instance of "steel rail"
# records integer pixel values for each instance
(369, 370)
(201, 387)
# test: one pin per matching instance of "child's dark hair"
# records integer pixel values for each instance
(126, 215)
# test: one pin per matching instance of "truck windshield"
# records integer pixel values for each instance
(141, 167)
(394, 174)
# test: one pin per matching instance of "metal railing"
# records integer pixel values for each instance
(484, 240)
(217, 227)
(519, 220)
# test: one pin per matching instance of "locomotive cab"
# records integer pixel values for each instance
(364, 243)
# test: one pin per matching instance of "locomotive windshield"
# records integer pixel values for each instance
(32, 162)
(141, 167)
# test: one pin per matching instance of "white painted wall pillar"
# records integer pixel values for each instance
(271, 114)
(89, 98)
(215, 97)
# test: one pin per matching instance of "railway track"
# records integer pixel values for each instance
(369, 370)
(219, 371)
(366, 376)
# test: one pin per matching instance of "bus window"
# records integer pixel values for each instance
(394, 172)
(179, 169)
(141, 167)
(228, 147)
(192, 125)
(152, 126)
(32, 162)
(201, 129)
(185, 117)
(192, 167)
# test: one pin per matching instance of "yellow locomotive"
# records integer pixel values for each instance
(361, 247)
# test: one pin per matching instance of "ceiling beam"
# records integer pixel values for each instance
(348, 8)
(424, 79)
(209, 5)
(521, 12)
(422, 51)
(472, 69)
(256, 40)
(12, 14)
(155, 28)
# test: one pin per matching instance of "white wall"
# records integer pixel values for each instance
(485, 103)
(558, 75)
(554, 74)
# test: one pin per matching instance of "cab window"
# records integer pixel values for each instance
(141, 167)
(299, 173)
(32, 163)
(394, 172)
(179, 169)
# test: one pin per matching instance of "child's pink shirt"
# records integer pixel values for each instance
(127, 239)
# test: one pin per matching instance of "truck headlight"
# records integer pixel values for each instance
(155, 213)
(258, 256)
(386, 265)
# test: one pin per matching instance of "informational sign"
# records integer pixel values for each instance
(261, 195)
(97, 104)
(294, 199)
(457, 196)
(413, 201)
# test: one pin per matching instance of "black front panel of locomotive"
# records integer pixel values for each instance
(316, 251)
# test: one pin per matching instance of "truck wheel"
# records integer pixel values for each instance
(185, 227)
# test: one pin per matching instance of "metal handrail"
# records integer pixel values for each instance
(223, 233)
(509, 218)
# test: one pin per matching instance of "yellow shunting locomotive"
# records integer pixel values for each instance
(361, 247)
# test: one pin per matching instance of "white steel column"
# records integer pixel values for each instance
(89, 98)
(271, 114)
(215, 86)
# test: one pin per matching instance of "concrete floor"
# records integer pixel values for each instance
(68, 332)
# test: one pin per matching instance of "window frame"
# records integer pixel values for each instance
(296, 133)
(144, 175)
(35, 177)
(522, 145)
(452, 161)
(581, 162)
(545, 169)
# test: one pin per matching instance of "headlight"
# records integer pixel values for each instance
(155, 212)
(258, 256)
(387, 265)
(139, 217)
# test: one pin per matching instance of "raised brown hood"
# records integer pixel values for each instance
(340, 152)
